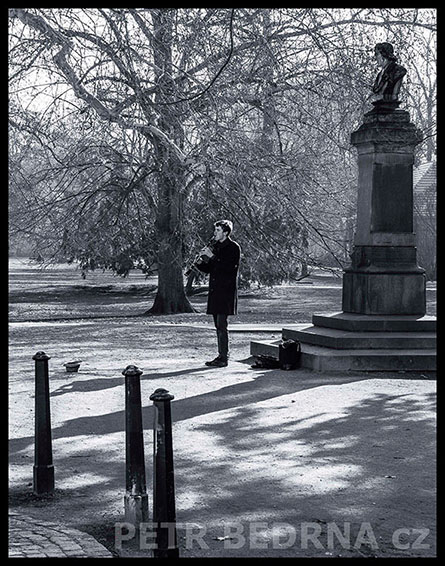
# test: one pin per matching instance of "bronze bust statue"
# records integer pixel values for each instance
(388, 81)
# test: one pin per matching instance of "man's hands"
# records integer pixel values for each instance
(207, 252)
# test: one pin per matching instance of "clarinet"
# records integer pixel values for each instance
(198, 259)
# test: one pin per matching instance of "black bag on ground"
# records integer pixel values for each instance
(289, 354)
(266, 362)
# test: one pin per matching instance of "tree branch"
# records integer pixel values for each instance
(60, 59)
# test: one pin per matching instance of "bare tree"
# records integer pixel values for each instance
(198, 113)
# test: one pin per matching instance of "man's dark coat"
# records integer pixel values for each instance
(223, 283)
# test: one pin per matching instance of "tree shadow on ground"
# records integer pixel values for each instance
(372, 463)
(265, 385)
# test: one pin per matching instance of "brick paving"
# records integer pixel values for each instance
(32, 538)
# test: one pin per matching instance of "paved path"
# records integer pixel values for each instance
(31, 538)
(235, 327)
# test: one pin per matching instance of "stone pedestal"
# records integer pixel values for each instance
(384, 277)
(383, 326)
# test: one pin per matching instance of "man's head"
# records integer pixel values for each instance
(385, 50)
(222, 230)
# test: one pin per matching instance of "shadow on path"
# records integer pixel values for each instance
(365, 464)
(265, 385)
(100, 383)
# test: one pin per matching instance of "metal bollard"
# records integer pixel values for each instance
(136, 498)
(43, 471)
(164, 506)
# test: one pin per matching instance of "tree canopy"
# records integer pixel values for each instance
(132, 130)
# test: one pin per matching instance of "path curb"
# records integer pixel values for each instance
(31, 538)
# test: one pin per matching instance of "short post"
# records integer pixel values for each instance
(164, 506)
(43, 471)
(136, 498)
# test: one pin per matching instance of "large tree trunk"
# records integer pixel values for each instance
(170, 297)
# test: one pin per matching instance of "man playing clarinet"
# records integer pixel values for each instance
(222, 264)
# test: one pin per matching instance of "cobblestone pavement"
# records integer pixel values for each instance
(31, 538)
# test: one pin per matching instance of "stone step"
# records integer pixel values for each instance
(344, 339)
(320, 358)
(375, 323)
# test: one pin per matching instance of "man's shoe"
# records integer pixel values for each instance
(217, 362)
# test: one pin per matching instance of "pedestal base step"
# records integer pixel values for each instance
(346, 340)
(375, 323)
(327, 359)
(320, 358)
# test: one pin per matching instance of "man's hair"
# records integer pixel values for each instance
(387, 50)
(226, 225)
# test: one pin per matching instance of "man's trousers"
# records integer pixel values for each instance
(222, 335)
